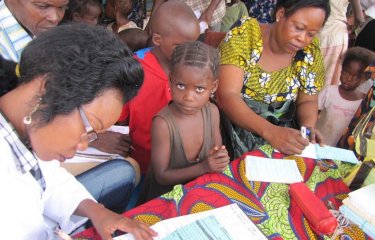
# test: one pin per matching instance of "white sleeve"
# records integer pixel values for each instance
(63, 195)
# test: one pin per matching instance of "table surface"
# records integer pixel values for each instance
(268, 205)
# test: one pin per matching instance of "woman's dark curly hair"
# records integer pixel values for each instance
(78, 62)
(291, 6)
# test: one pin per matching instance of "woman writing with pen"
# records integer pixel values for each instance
(270, 75)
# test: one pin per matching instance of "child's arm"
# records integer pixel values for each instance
(160, 153)
(215, 119)
(357, 12)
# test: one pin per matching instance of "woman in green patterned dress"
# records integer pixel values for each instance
(270, 75)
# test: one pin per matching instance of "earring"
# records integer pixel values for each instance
(28, 119)
(212, 96)
(277, 19)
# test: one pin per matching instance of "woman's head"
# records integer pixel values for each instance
(298, 21)
(356, 60)
(292, 6)
(85, 11)
(78, 66)
(194, 74)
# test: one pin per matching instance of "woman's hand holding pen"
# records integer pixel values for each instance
(315, 136)
(286, 140)
(218, 160)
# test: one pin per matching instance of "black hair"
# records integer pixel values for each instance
(135, 38)
(8, 77)
(80, 7)
(196, 54)
(292, 6)
(360, 54)
(78, 62)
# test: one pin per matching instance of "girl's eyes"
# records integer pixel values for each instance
(199, 89)
(180, 86)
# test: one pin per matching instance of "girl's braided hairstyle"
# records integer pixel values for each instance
(196, 54)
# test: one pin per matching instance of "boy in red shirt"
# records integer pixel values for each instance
(167, 32)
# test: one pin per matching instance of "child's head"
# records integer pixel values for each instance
(194, 75)
(86, 11)
(123, 7)
(354, 64)
(173, 23)
(135, 38)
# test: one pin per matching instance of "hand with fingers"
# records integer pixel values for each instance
(315, 136)
(107, 222)
(113, 142)
(286, 140)
(218, 159)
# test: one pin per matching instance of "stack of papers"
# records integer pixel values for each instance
(359, 208)
(315, 151)
(225, 223)
(272, 170)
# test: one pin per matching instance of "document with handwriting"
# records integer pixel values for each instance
(272, 170)
(227, 223)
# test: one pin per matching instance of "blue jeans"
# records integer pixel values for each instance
(110, 183)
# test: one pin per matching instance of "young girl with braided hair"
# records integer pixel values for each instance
(186, 140)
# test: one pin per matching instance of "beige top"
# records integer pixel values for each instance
(336, 25)
(130, 24)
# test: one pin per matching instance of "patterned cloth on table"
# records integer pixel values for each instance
(268, 205)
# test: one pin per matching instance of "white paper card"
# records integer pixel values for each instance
(315, 151)
(272, 170)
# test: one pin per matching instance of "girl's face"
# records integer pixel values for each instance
(298, 30)
(65, 134)
(352, 75)
(191, 87)
(90, 16)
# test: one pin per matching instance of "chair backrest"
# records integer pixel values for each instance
(213, 38)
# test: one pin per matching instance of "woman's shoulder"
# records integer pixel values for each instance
(241, 40)
(314, 46)
(244, 30)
